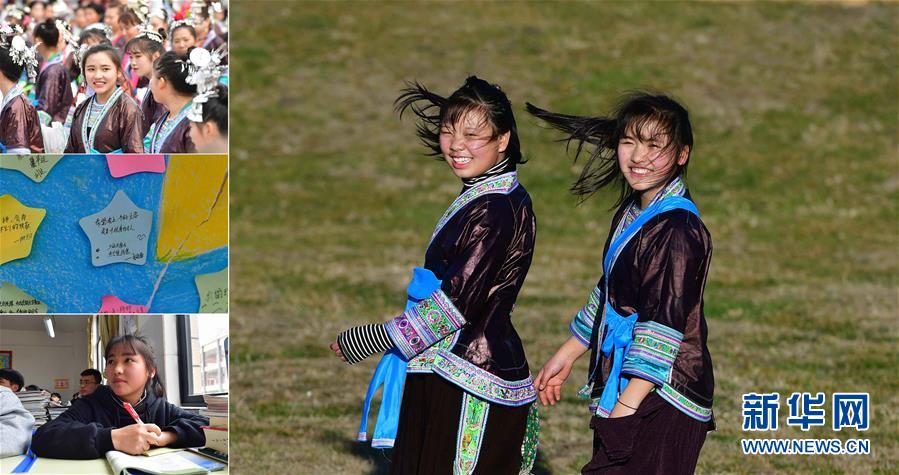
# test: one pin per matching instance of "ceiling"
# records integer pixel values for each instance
(62, 323)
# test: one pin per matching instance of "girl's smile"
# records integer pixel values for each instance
(469, 146)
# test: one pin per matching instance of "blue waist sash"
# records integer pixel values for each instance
(618, 333)
(391, 372)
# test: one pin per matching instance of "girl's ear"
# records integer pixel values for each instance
(684, 155)
(504, 141)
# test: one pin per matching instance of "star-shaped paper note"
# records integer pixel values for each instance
(18, 226)
(123, 165)
(118, 233)
(113, 304)
(15, 300)
(213, 289)
(36, 167)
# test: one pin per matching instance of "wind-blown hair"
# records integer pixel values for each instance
(435, 111)
(638, 113)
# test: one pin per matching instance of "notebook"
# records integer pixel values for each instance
(173, 463)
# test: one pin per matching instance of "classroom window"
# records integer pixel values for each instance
(203, 356)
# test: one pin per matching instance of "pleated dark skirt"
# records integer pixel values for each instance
(657, 439)
(429, 424)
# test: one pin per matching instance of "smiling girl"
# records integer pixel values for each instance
(467, 405)
(650, 378)
(109, 121)
(99, 422)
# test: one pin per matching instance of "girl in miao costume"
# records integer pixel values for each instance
(144, 49)
(171, 88)
(109, 121)
(20, 127)
(467, 404)
(650, 380)
(209, 114)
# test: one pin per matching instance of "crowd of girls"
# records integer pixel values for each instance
(143, 76)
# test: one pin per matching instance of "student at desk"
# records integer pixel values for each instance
(99, 422)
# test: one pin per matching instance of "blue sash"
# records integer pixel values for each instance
(619, 330)
(391, 372)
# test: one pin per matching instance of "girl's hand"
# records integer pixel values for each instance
(166, 438)
(554, 373)
(135, 439)
(551, 377)
(336, 349)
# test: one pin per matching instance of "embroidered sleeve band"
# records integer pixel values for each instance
(582, 325)
(652, 352)
(360, 342)
(424, 324)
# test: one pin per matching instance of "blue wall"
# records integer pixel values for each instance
(59, 270)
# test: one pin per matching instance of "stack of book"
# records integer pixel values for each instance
(217, 430)
(55, 409)
(35, 402)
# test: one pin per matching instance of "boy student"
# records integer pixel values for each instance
(89, 382)
(12, 379)
(16, 423)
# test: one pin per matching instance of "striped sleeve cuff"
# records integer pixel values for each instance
(424, 324)
(652, 352)
(582, 325)
(360, 342)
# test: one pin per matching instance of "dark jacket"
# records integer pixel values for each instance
(85, 430)
(119, 130)
(481, 252)
(661, 275)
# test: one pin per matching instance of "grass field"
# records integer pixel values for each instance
(795, 172)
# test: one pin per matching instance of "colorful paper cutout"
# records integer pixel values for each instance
(18, 226)
(118, 233)
(15, 300)
(213, 290)
(193, 218)
(113, 304)
(36, 167)
(124, 165)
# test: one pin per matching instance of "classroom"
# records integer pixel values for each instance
(52, 364)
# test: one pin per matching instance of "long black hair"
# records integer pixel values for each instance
(174, 69)
(638, 113)
(140, 345)
(476, 94)
(47, 33)
(216, 109)
(9, 68)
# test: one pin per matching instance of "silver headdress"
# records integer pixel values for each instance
(14, 11)
(159, 13)
(11, 39)
(141, 8)
(146, 30)
(186, 21)
(199, 11)
(102, 27)
(205, 69)
(66, 31)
